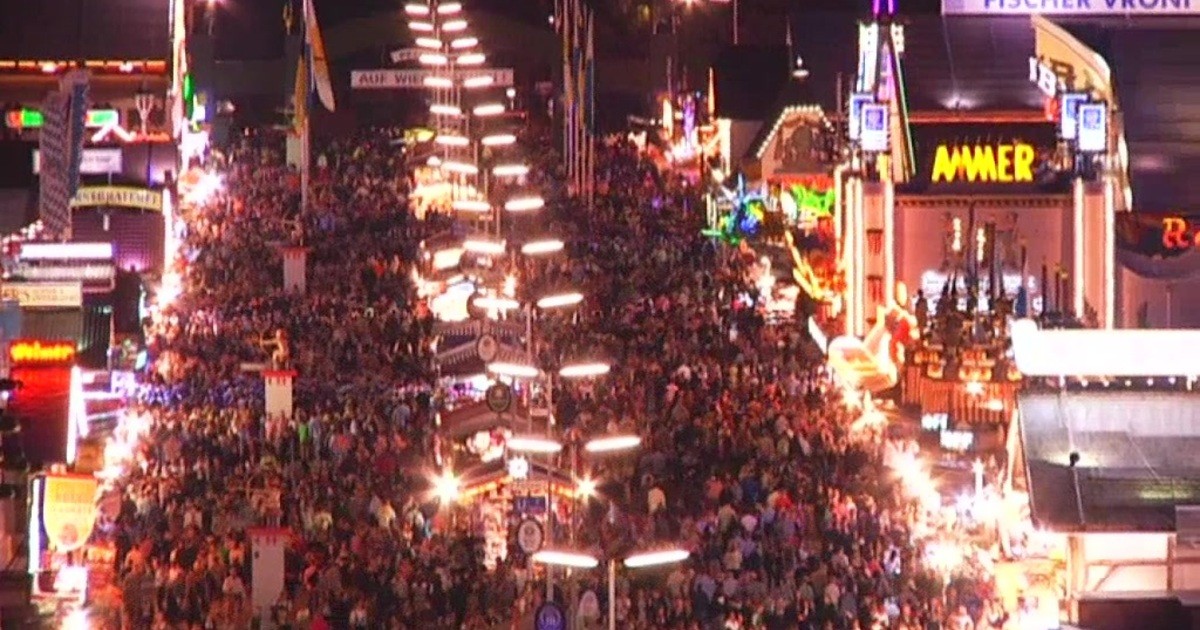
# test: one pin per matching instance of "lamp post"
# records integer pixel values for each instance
(578, 560)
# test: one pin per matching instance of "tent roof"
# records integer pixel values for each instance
(1136, 458)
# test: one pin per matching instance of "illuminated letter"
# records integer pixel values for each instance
(945, 164)
(1023, 163)
(1175, 233)
(1004, 164)
(982, 165)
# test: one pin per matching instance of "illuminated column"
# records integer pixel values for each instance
(279, 392)
(1108, 311)
(889, 242)
(1078, 244)
(267, 545)
(295, 262)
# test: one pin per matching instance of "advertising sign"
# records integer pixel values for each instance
(118, 196)
(874, 137)
(1068, 124)
(1073, 8)
(69, 510)
(1093, 127)
(35, 352)
(43, 294)
(854, 121)
(92, 162)
(412, 79)
(985, 158)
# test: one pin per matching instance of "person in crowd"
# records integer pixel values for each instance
(747, 458)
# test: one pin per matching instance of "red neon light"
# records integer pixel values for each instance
(42, 353)
(1177, 234)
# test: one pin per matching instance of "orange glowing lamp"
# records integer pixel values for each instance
(34, 352)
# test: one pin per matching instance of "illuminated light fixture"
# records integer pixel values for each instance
(499, 140)
(612, 443)
(66, 251)
(488, 109)
(454, 26)
(496, 303)
(548, 246)
(510, 170)
(463, 42)
(429, 42)
(433, 161)
(450, 8)
(471, 205)
(656, 558)
(433, 59)
(437, 82)
(566, 559)
(584, 370)
(558, 301)
(483, 80)
(471, 59)
(533, 444)
(515, 370)
(421, 27)
(447, 487)
(444, 110)
(49, 67)
(481, 246)
(586, 488)
(524, 204)
(452, 140)
(416, 9)
(460, 167)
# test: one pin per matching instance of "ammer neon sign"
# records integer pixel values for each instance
(983, 163)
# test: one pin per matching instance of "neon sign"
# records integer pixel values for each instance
(984, 163)
(1178, 234)
(33, 352)
(33, 119)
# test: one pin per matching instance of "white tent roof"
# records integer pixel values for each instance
(1098, 353)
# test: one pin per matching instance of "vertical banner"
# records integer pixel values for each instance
(76, 84)
(278, 392)
(295, 274)
(54, 188)
(69, 510)
(874, 134)
(1093, 127)
(267, 547)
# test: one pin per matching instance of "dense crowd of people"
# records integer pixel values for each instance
(748, 460)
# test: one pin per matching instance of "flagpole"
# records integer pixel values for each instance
(305, 125)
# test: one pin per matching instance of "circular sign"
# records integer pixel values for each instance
(487, 348)
(499, 397)
(530, 536)
(549, 617)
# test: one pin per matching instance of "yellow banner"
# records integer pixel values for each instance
(118, 196)
(69, 510)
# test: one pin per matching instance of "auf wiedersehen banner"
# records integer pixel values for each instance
(1073, 8)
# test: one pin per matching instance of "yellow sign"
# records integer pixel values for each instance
(43, 294)
(69, 510)
(118, 196)
(984, 163)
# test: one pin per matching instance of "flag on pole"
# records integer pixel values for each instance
(591, 105)
(301, 94)
(317, 59)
